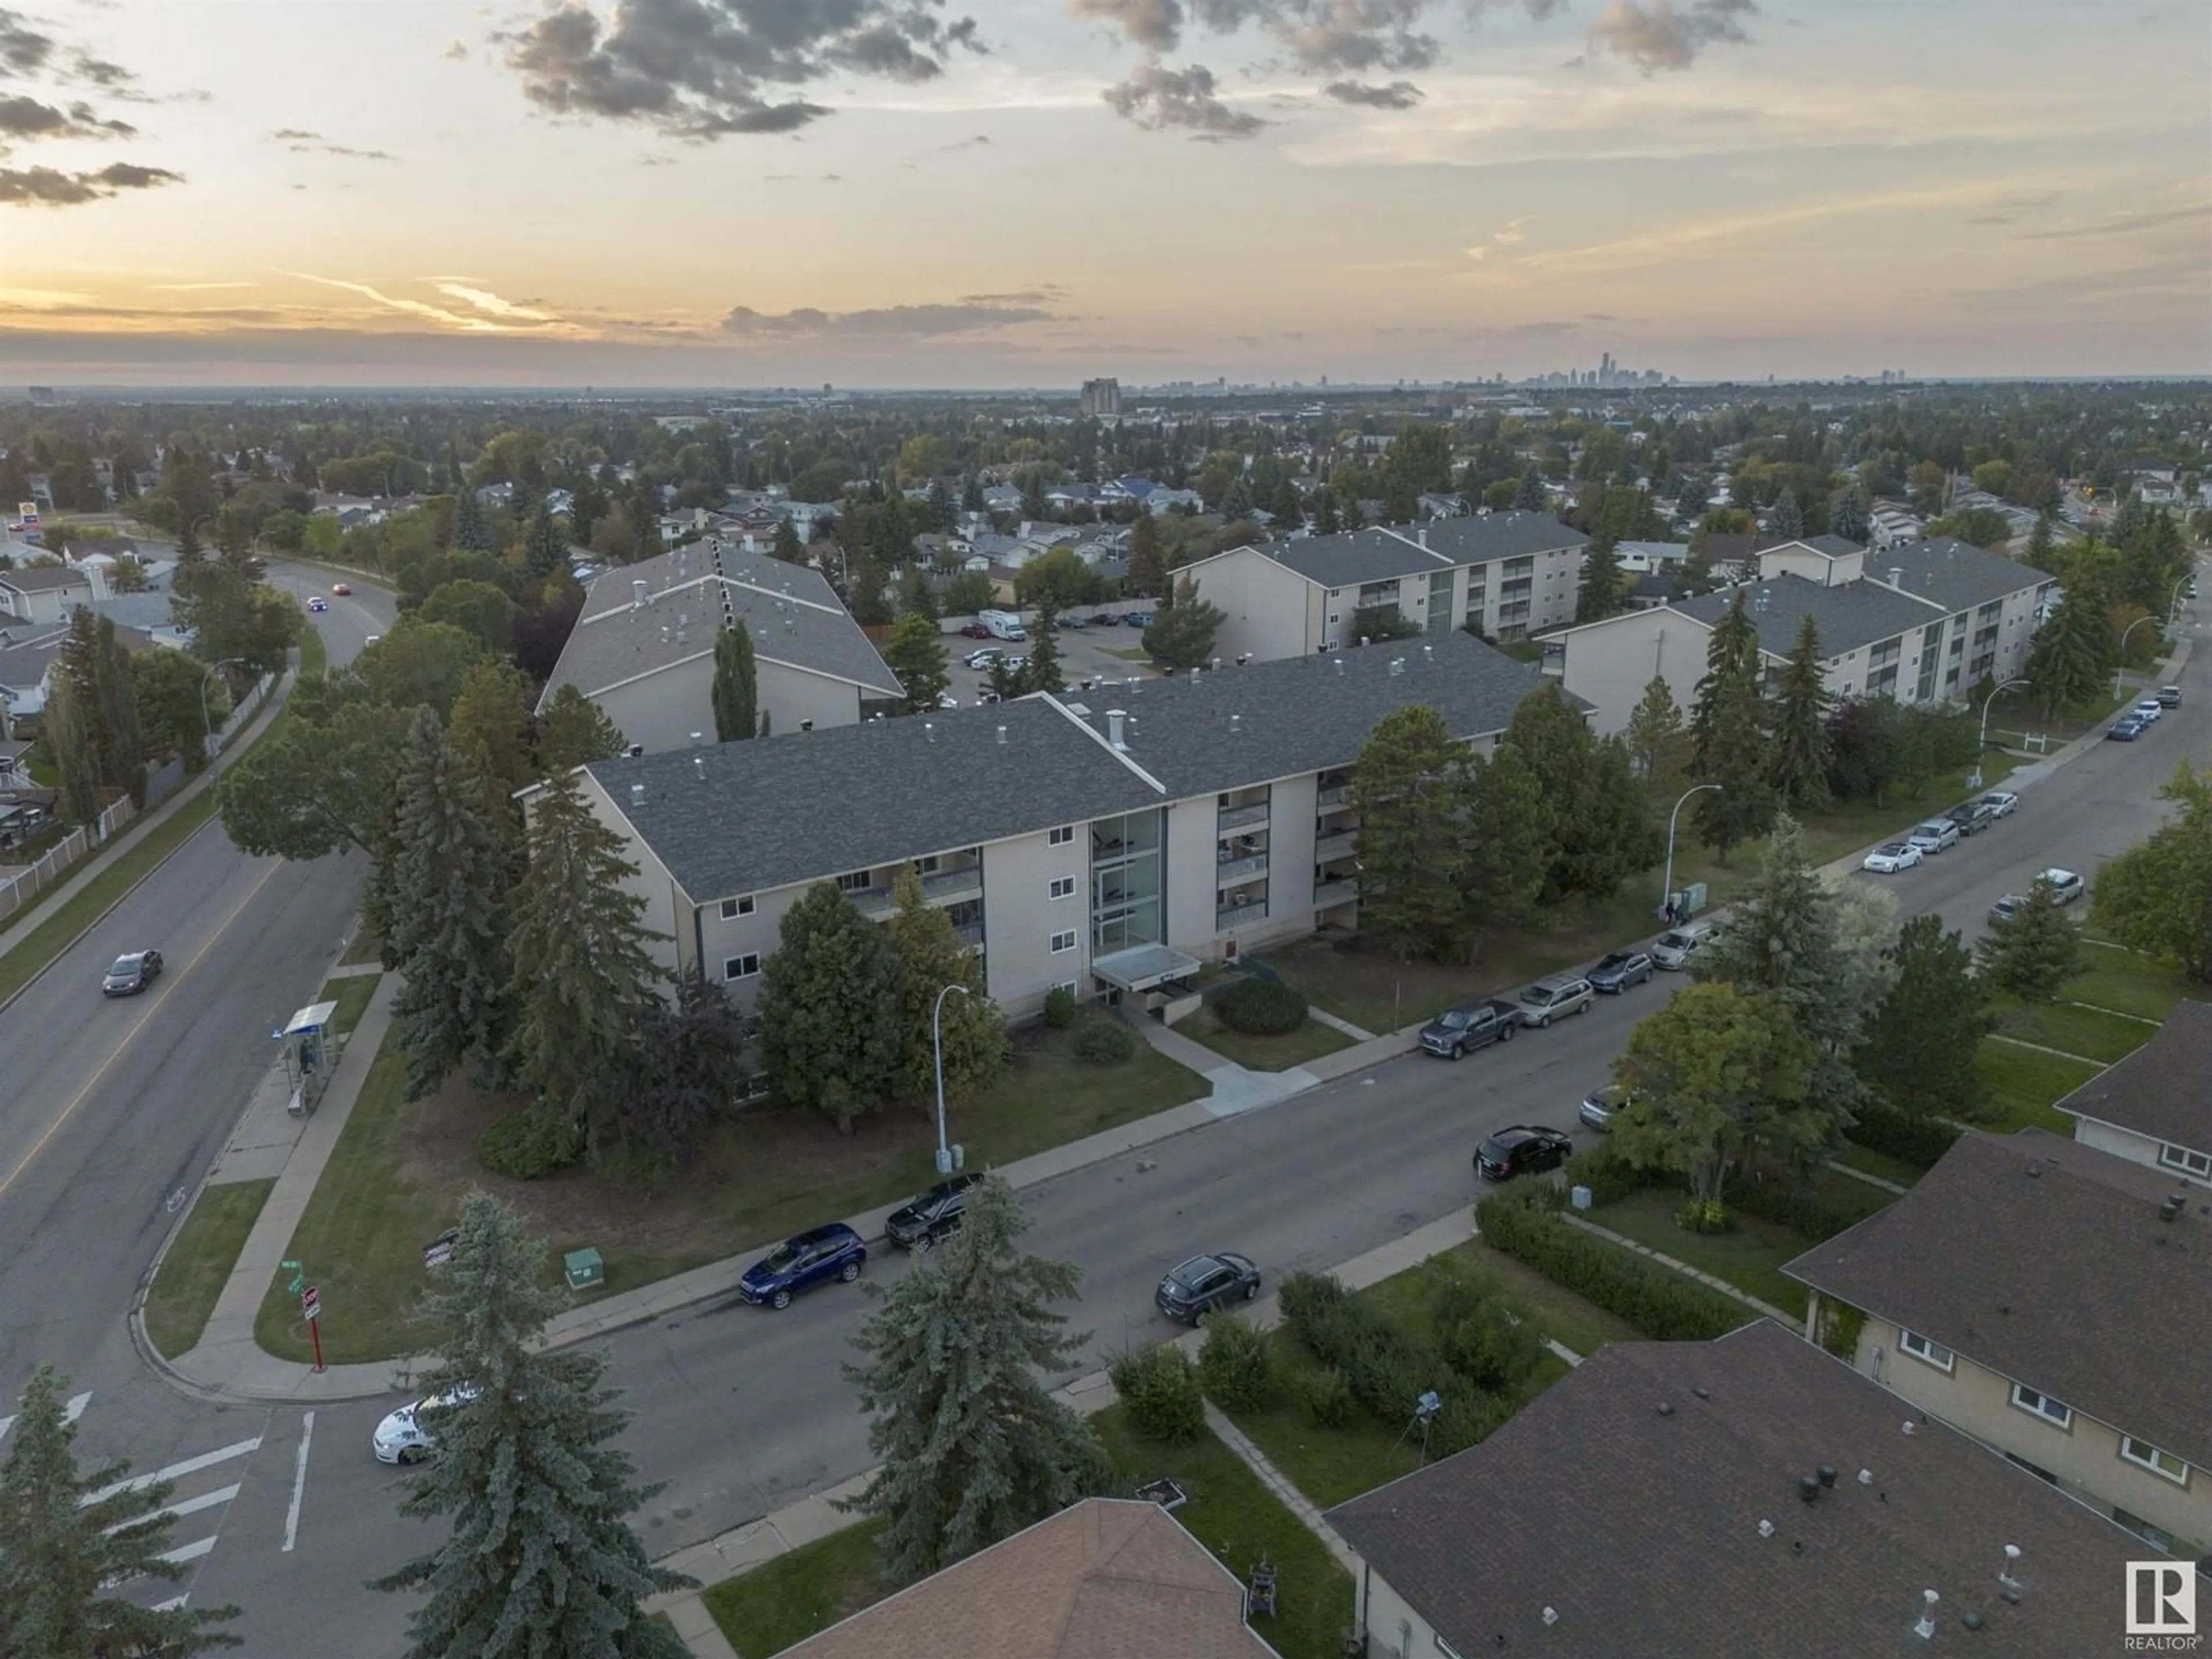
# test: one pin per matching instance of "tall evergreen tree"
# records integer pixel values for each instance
(1599, 594)
(915, 653)
(684, 1072)
(1412, 789)
(544, 549)
(830, 1028)
(1601, 829)
(1847, 519)
(972, 1447)
(2038, 542)
(1728, 735)
(69, 1541)
(448, 912)
(70, 720)
(929, 956)
(539, 1561)
(1182, 632)
(572, 731)
(579, 972)
(1043, 672)
(1798, 767)
(1325, 520)
(1148, 573)
(785, 545)
(2032, 955)
(1507, 840)
(470, 529)
(1531, 497)
(1788, 518)
(1658, 742)
(2070, 659)
(736, 693)
(491, 726)
(587, 505)
(1916, 1052)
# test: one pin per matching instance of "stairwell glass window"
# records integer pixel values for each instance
(1063, 887)
(2043, 1406)
(1929, 1354)
(2151, 1457)
(744, 967)
(1063, 941)
(732, 908)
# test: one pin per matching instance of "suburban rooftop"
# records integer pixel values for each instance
(2159, 1090)
(1351, 557)
(1848, 616)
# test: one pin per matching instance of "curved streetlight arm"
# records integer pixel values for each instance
(937, 1056)
(206, 720)
(1975, 781)
(1667, 883)
(2120, 665)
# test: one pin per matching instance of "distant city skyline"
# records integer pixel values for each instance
(896, 195)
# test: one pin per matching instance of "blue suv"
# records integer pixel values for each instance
(801, 1262)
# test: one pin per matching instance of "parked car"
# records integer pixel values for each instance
(2002, 803)
(2169, 696)
(1971, 818)
(1935, 836)
(370, 640)
(1600, 1104)
(341, 589)
(801, 1262)
(1106, 619)
(975, 631)
(1079, 623)
(132, 973)
(1616, 972)
(1137, 618)
(404, 1436)
(1524, 1149)
(982, 659)
(1673, 948)
(2065, 886)
(931, 1216)
(1470, 1025)
(319, 603)
(2149, 710)
(2007, 908)
(2126, 729)
(1195, 1288)
(1891, 857)
(1555, 998)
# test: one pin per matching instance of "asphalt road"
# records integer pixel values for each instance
(111, 1111)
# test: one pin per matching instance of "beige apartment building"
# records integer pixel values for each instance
(2054, 1302)
(2154, 1107)
(1924, 623)
(643, 648)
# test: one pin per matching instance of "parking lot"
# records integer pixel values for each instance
(1084, 653)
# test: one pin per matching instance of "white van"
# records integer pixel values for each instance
(1675, 947)
(1003, 625)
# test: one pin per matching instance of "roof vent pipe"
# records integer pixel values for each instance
(1216, 665)
(1897, 577)
(1002, 737)
(699, 765)
(641, 594)
(1428, 653)
(636, 793)
(806, 726)
(1115, 717)
(929, 730)
(697, 738)
(1339, 665)
(1236, 722)
(1422, 535)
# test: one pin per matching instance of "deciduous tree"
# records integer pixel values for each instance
(930, 956)
(969, 593)
(167, 684)
(325, 781)
(2156, 897)
(417, 662)
(477, 609)
(1916, 1055)
(830, 1027)
(736, 693)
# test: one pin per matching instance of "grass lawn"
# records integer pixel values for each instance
(1560, 1313)
(2025, 1082)
(395, 1178)
(351, 992)
(363, 947)
(1750, 1257)
(791, 1598)
(1879, 1164)
(1263, 1053)
(1127, 652)
(2129, 983)
(198, 1264)
(2091, 1033)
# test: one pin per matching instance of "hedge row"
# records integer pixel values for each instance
(1260, 1007)
(1658, 1301)
(1920, 1142)
(1611, 1178)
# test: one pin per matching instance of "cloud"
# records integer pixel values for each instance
(2125, 224)
(23, 49)
(1398, 94)
(1320, 37)
(1512, 234)
(803, 177)
(702, 69)
(485, 301)
(1157, 98)
(24, 117)
(1044, 293)
(922, 322)
(1657, 35)
(301, 142)
(49, 187)
(394, 302)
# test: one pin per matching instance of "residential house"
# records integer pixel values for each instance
(643, 647)
(1642, 556)
(1444, 505)
(1512, 572)
(1109, 841)
(1105, 1578)
(2054, 1302)
(1001, 498)
(1892, 524)
(2153, 1107)
(48, 592)
(1119, 491)
(1747, 1498)
(27, 659)
(1925, 624)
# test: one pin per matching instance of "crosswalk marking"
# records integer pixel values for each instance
(71, 1412)
(178, 1471)
(173, 1603)
(191, 1551)
(206, 1500)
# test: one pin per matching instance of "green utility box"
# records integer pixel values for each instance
(585, 1270)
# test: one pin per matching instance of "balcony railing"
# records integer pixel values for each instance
(971, 935)
(946, 887)
(1239, 817)
(1238, 915)
(1336, 795)
(1328, 893)
(1335, 847)
(1250, 868)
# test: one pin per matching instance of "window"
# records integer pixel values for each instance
(1060, 836)
(2181, 1157)
(732, 908)
(1063, 941)
(2042, 1405)
(1063, 887)
(1931, 1353)
(744, 967)
(2161, 1462)
(855, 881)
(932, 864)
(1068, 986)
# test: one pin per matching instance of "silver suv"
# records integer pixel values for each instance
(1547, 1000)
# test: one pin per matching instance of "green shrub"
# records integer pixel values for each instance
(1658, 1301)
(1484, 1338)
(1609, 1176)
(1789, 1205)
(1303, 1297)
(1160, 1388)
(1105, 1042)
(1237, 1365)
(1384, 1368)
(1919, 1141)
(531, 1143)
(1260, 1007)
(1329, 1398)
(1060, 1007)
(1703, 1215)
(1468, 1417)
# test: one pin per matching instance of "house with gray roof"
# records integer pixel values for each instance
(1513, 574)
(45, 593)
(2152, 1108)
(2054, 1302)
(1110, 840)
(1747, 1498)
(643, 648)
(27, 653)
(1923, 622)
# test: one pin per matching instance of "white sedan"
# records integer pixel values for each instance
(1891, 857)
(401, 1438)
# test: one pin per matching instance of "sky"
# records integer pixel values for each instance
(986, 193)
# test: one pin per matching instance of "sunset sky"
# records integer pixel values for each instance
(893, 193)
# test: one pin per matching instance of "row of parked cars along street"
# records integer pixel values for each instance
(2144, 716)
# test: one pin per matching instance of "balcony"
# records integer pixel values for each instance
(1336, 795)
(1251, 867)
(1241, 817)
(1328, 894)
(946, 887)
(1340, 846)
(971, 935)
(1238, 915)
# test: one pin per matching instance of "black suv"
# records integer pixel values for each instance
(1524, 1149)
(1204, 1283)
(1470, 1025)
(938, 1212)
(1974, 817)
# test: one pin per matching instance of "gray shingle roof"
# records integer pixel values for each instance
(745, 817)
(1835, 547)
(2045, 1261)
(794, 615)
(1848, 615)
(1354, 556)
(2158, 1090)
(1628, 1498)
(36, 578)
(1956, 574)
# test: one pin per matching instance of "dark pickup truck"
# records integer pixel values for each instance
(1469, 1026)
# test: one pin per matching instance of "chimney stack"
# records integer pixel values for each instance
(1216, 665)
(641, 594)
(1113, 720)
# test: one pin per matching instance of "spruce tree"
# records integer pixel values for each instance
(785, 545)
(470, 529)
(2070, 659)
(1847, 519)
(916, 654)
(572, 731)
(69, 1541)
(447, 917)
(1412, 788)
(1507, 844)
(1531, 497)
(1799, 763)
(540, 1561)
(684, 1072)
(544, 549)
(580, 974)
(1148, 573)
(1325, 521)
(973, 1446)
(1728, 735)
(2038, 542)
(2033, 954)
(587, 505)
(69, 739)
(1602, 829)
(1788, 520)
(1916, 1052)
(736, 693)
(1042, 672)
(928, 955)
(1658, 742)
(1181, 631)
(1599, 594)
(831, 1032)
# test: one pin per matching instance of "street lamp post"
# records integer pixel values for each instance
(1667, 885)
(207, 719)
(2174, 602)
(937, 1052)
(1975, 781)
(2120, 667)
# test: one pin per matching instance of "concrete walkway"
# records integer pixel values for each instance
(1788, 1322)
